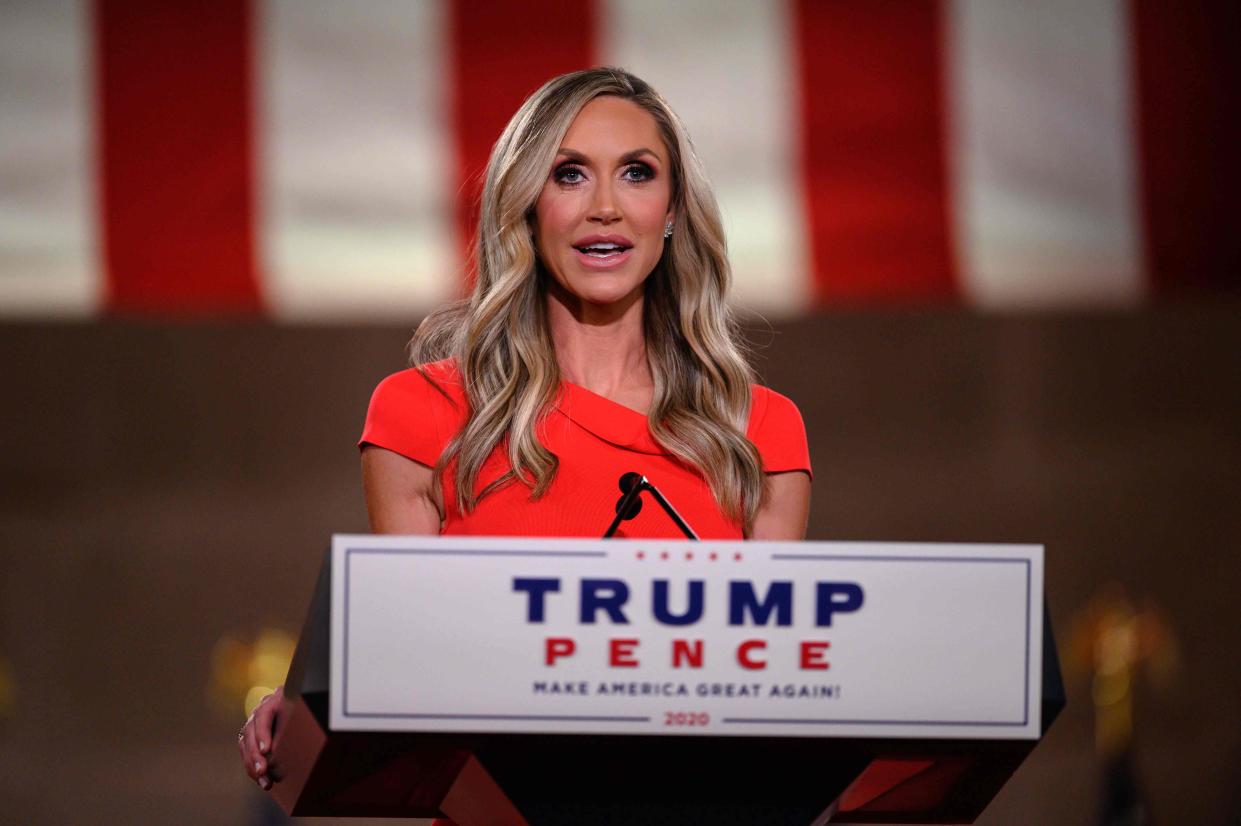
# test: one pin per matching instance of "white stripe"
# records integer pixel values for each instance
(48, 259)
(356, 164)
(1045, 194)
(725, 67)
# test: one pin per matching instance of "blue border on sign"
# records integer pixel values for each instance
(1025, 697)
(349, 552)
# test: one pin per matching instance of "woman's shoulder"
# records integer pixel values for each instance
(776, 428)
(424, 381)
(415, 411)
(766, 404)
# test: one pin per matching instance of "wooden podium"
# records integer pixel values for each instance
(495, 778)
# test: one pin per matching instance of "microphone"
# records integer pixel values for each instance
(630, 504)
(628, 482)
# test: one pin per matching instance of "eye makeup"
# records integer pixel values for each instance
(571, 173)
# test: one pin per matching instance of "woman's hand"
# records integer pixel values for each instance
(255, 738)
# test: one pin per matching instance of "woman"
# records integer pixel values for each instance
(597, 341)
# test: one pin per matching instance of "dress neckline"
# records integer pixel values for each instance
(598, 415)
(607, 419)
(620, 408)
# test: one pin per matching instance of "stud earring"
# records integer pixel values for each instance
(668, 230)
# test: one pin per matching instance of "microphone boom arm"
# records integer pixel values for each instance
(626, 504)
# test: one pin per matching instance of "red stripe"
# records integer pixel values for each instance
(501, 52)
(1189, 129)
(175, 137)
(873, 149)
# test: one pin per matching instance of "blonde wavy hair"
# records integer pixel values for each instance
(500, 340)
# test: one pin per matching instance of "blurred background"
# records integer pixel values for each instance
(989, 247)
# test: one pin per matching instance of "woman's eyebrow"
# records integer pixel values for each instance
(628, 157)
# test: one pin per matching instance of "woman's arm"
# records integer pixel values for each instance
(786, 508)
(400, 494)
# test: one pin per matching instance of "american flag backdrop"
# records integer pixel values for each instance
(318, 159)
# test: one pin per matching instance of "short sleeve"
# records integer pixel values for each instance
(408, 415)
(777, 430)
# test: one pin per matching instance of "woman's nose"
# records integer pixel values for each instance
(603, 208)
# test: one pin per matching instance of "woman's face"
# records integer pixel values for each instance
(601, 215)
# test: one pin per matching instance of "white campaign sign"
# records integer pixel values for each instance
(843, 639)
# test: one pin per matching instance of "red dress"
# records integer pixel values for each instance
(596, 441)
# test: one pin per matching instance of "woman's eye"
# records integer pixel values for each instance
(638, 172)
(568, 175)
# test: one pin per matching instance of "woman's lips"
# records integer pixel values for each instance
(603, 262)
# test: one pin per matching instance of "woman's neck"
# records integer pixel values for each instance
(602, 348)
